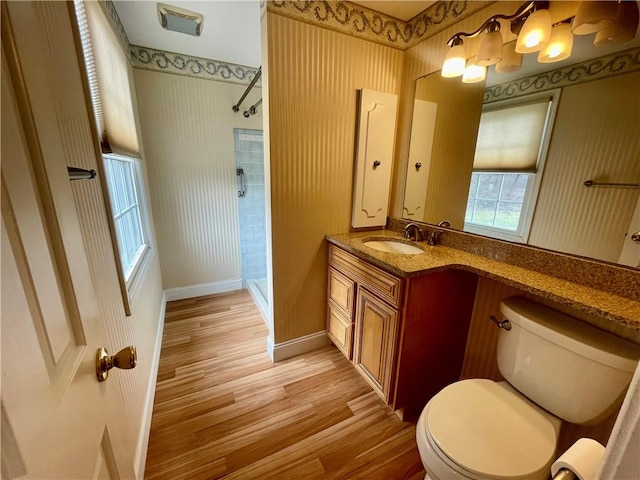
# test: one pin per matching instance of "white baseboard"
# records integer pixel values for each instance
(258, 300)
(143, 438)
(201, 289)
(297, 346)
(270, 347)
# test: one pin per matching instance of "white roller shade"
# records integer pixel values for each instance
(509, 138)
(109, 81)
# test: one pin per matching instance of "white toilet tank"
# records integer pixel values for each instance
(572, 369)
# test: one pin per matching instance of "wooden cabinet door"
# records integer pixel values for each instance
(375, 338)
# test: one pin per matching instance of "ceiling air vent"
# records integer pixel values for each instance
(178, 19)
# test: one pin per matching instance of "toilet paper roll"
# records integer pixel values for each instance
(583, 458)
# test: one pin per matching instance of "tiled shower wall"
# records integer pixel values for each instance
(251, 207)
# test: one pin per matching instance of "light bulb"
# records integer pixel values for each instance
(593, 16)
(535, 32)
(454, 63)
(559, 46)
(623, 29)
(511, 61)
(473, 72)
(490, 49)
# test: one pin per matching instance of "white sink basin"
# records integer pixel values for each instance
(393, 246)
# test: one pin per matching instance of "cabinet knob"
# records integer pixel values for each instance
(377, 163)
(418, 165)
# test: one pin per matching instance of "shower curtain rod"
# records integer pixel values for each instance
(252, 109)
(236, 107)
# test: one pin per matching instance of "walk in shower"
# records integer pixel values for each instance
(251, 212)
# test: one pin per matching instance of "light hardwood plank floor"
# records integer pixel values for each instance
(223, 410)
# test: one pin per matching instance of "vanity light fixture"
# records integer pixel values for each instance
(614, 21)
(490, 51)
(559, 45)
(623, 29)
(593, 16)
(474, 72)
(455, 61)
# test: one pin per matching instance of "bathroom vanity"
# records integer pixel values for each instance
(403, 320)
(406, 335)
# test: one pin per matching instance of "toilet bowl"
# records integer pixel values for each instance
(556, 369)
(480, 429)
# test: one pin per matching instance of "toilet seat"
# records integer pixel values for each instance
(484, 429)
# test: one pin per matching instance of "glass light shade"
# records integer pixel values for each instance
(490, 49)
(454, 63)
(623, 29)
(535, 32)
(559, 46)
(511, 61)
(593, 16)
(473, 72)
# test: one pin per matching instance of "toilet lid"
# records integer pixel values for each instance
(490, 431)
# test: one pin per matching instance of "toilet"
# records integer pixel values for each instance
(556, 369)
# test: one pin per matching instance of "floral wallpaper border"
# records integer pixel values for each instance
(197, 67)
(358, 21)
(615, 64)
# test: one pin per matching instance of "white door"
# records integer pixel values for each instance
(54, 411)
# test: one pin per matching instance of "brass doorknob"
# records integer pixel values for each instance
(126, 358)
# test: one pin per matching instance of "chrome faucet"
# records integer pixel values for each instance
(417, 233)
(434, 238)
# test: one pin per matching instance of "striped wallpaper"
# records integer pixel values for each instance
(314, 75)
(593, 139)
(187, 128)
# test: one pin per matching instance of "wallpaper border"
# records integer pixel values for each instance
(358, 21)
(618, 63)
(196, 67)
(179, 64)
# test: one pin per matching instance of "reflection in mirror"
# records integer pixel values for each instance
(443, 139)
(595, 136)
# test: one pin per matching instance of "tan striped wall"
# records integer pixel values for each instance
(314, 75)
(604, 148)
(187, 128)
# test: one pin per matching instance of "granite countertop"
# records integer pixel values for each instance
(624, 312)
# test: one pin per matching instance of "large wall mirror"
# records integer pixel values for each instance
(587, 128)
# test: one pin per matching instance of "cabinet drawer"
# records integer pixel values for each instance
(341, 292)
(377, 281)
(339, 330)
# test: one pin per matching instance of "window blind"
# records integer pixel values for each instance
(108, 72)
(509, 138)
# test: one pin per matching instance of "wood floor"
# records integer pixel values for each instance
(223, 410)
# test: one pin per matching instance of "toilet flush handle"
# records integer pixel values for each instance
(506, 324)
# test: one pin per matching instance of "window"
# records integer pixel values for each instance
(109, 79)
(495, 199)
(510, 154)
(122, 177)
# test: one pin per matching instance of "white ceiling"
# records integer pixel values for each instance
(230, 33)
(404, 10)
(231, 28)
